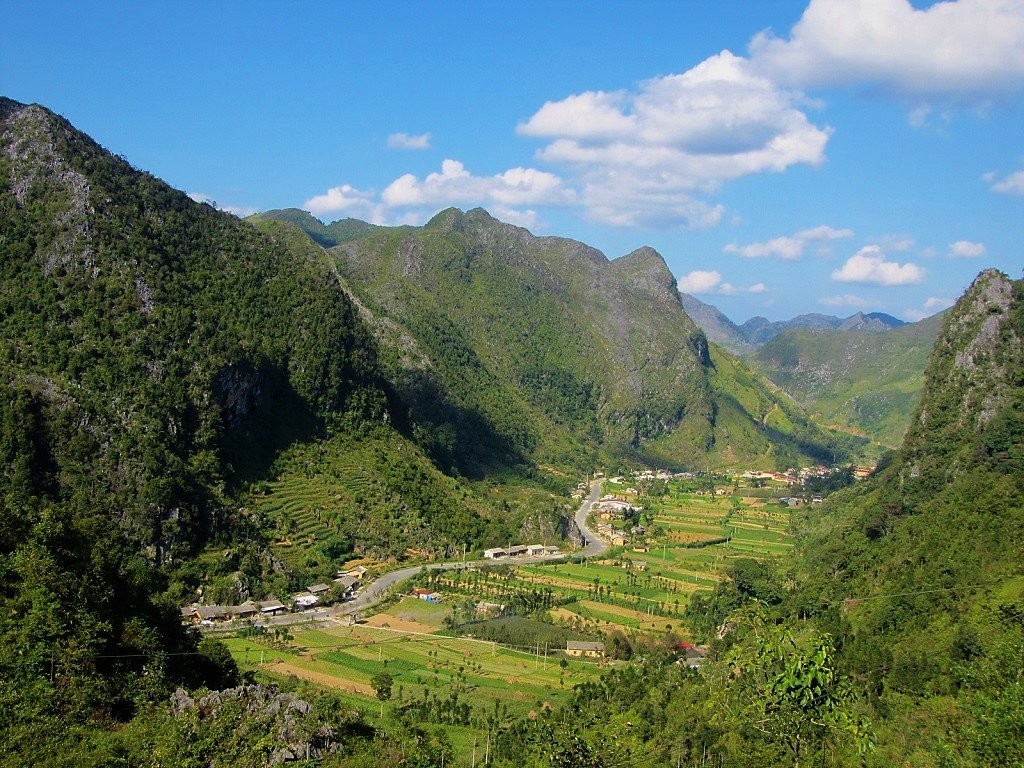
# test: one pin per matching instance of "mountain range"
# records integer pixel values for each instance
(565, 353)
(861, 374)
(744, 339)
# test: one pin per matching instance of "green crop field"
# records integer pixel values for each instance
(484, 675)
(440, 675)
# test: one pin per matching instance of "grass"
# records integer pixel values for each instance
(482, 672)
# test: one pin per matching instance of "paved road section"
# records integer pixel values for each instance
(594, 545)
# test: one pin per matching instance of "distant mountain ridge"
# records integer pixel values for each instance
(865, 381)
(745, 338)
(327, 235)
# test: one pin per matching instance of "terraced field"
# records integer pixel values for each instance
(338, 496)
(486, 676)
(692, 540)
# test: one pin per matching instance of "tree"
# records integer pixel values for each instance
(789, 688)
(381, 684)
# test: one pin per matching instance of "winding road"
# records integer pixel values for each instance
(380, 587)
(593, 544)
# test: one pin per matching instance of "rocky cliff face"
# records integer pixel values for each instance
(974, 390)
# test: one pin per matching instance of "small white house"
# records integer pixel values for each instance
(495, 553)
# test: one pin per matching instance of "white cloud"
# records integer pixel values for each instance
(408, 141)
(1008, 185)
(241, 211)
(700, 281)
(931, 306)
(455, 185)
(868, 265)
(790, 247)
(710, 281)
(528, 218)
(642, 157)
(845, 300)
(962, 50)
(935, 304)
(342, 199)
(966, 250)
(588, 115)
(411, 200)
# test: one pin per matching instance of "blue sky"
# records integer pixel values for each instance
(784, 157)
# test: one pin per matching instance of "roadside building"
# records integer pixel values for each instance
(584, 649)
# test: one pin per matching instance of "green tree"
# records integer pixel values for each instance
(789, 689)
(381, 684)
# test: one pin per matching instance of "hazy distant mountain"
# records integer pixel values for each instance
(759, 330)
(857, 377)
(745, 338)
(719, 328)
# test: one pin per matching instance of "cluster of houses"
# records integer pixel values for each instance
(342, 587)
(521, 550)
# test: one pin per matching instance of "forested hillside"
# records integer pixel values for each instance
(192, 406)
(541, 349)
(157, 357)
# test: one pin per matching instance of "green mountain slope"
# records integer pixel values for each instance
(926, 556)
(510, 347)
(895, 635)
(866, 382)
(156, 356)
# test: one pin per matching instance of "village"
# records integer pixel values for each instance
(616, 517)
(343, 587)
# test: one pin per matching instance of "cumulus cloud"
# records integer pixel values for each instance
(789, 247)
(410, 199)
(700, 281)
(710, 281)
(950, 53)
(845, 300)
(454, 184)
(343, 199)
(962, 50)
(964, 249)
(1007, 185)
(642, 157)
(409, 141)
(932, 306)
(868, 265)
